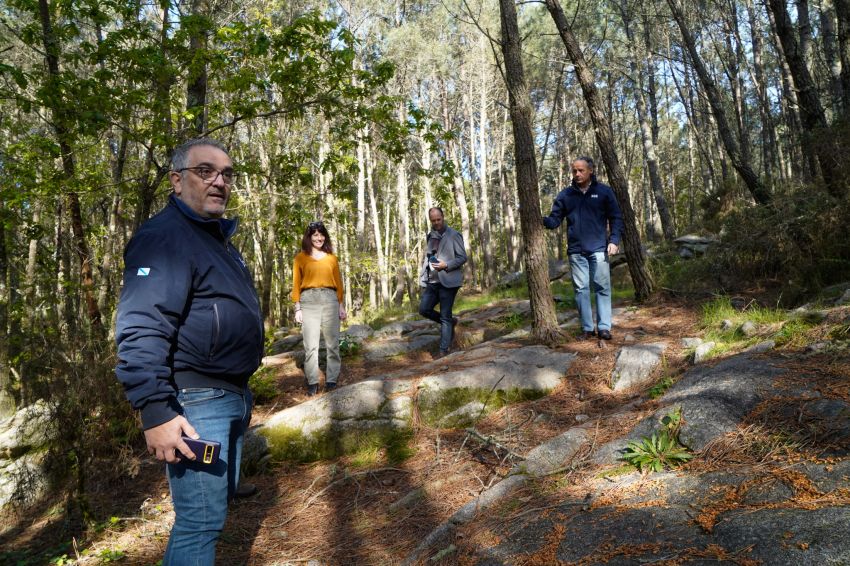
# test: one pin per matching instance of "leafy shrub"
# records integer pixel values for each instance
(660, 388)
(660, 451)
(349, 347)
(263, 385)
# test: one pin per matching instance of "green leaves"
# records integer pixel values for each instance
(656, 453)
(662, 450)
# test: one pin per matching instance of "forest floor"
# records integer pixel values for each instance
(346, 511)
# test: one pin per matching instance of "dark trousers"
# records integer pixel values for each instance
(431, 295)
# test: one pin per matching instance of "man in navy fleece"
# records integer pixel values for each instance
(190, 333)
(590, 209)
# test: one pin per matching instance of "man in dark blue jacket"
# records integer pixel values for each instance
(591, 209)
(190, 333)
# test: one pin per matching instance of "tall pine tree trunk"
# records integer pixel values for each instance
(545, 326)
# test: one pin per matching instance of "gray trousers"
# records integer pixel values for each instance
(320, 318)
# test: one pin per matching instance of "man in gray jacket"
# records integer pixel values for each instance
(441, 276)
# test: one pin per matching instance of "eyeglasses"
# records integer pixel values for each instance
(210, 174)
(313, 225)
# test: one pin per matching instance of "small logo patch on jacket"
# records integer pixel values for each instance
(594, 196)
(143, 272)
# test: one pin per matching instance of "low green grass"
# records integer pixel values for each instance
(290, 444)
(385, 315)
(785, 328)
(512, 321)
(478, 300)
(720, 309)
(840, 332)
(434, 407)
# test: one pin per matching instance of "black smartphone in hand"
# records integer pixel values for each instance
(206, 451)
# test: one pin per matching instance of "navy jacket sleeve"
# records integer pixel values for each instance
(157, 286)
(615, 218)
(558, 213)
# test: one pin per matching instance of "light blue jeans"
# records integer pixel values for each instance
(587, 268)
(201, 492)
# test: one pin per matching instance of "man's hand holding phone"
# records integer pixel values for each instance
(435, 263)
(166, 443)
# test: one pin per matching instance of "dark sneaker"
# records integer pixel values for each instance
(440, 354)
(330, 386)
(245, 490)
(312, 389)
(605, 334)
(587, 335)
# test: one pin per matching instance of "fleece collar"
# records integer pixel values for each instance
(226, 226)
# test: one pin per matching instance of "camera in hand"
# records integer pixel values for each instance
(432, 258)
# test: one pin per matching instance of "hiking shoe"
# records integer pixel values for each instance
(245, 490)
(312, 389)
(440, 354)
(605, 334)
(587, 335)
(330, 386)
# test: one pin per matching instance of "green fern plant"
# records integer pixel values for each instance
(660, 451)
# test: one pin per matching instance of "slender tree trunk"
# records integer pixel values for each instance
(483, 216)
(425, 177)
(376, 230)
(7, 401)
(735, 65)
(842, 16)
(457, 184)
(811, 111)
(545, 326)
(646, 129)
(163, 80)
(506, 197)
(403, 212)
(196, 88)
(768, 130)
(63, 137)
(30, 288)
(804, 27)
(641, 278)
(801, 158)
(473, 250)
(830, 53)
(757, 189)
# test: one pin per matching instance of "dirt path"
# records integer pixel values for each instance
(362, 509)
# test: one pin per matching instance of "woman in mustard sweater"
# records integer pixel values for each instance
(317, 292)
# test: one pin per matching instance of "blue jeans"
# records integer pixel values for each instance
(587, 268)
(201, 492)
(435, 293)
